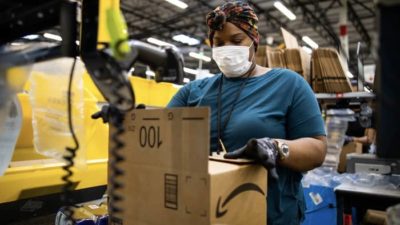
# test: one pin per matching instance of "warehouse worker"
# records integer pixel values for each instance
(270, 115)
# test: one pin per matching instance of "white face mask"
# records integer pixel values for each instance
(232, 60)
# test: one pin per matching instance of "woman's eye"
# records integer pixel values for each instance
(237, 42)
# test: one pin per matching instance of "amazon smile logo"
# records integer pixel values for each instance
(220, 211)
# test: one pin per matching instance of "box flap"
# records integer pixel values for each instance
(220, 158)
(165, 161)
(218, 167)
(152, 138)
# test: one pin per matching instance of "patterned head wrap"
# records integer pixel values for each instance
(238, 13)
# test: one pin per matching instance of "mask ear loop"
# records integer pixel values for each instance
(254, 54)
(253, 63)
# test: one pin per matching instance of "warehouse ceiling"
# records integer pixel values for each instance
(162, 20)
(317, 19)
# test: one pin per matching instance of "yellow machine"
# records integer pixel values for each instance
(31, 175)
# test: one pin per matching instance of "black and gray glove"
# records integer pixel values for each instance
(105, 112)
(264, 151)
(348, 139)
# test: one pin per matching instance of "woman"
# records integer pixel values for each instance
(267, 114)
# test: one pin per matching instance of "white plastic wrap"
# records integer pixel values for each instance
(336, 126)
(393, 215)
(10, 126)
(49, 88)
(327, 177)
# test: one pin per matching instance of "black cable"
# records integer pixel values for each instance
(71, 153)
(115, 171)
(116, 120)
(220, 129)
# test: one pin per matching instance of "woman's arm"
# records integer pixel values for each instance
(180, 98)
(368, 138)
(305, 153)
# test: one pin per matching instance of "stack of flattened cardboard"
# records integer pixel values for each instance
(293, 60)
(276, 58)
(306, 64)
(327, 73)
(289, 39)
(296, 58)
(168, 178)
(261, 55)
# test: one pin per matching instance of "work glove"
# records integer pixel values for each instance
(105, 112)
(263, 151)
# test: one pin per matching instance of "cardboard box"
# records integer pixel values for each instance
(169, 179)
(351, 147)
(375, 217)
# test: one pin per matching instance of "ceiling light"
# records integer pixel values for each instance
(178, 3)
(191, 71)
(31, 37)
(310, 42)
(285, 11)
(186, 80)
(199, 56)
(307, 49)
(52, 36)
(158, 42)
(349, 75)
(186, 39)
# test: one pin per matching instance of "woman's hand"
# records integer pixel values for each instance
(264, 151)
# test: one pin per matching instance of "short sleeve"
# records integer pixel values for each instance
(180, 99)
(304, 115)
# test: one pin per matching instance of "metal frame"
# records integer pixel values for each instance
(272, 20)
(159, 19)
(316, 14)
(22, 20)
(321, 25)
(357, 23)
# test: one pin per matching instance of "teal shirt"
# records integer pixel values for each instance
(278, 104)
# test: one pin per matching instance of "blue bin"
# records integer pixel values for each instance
(320, 205)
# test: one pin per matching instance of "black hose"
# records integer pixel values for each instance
(69, 157)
